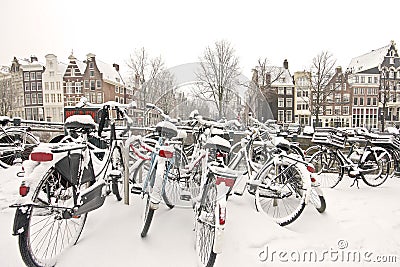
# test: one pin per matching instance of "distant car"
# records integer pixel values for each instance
(308, 130)
(350, 131)
(361, 130)
(294, 128)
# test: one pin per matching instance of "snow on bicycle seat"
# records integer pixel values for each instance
(217, 142)
(80, 121)
(166, 129)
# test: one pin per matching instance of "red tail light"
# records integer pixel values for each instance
(222, 215)
(313, 180)
(310, 168)
(228, 181)
(220, 155)
(23, 190)
(41, 156)
(166, 154)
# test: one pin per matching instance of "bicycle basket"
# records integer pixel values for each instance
(386, 140)
(329, 136)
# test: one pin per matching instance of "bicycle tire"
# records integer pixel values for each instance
(32, 242)
(205, 224)
(117, 163)
(318, 201)
(8, 139)
(329, 168)
(285, 198)
(148, 213)
(148, 216)
(383, 165)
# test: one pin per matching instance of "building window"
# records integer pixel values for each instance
(288, 115)
(69, 88)
(28, 99)
(116, 89)
(99, 97)
(357, 79)
(375, 79)
(26, 76)
(281, 91)
(92, 97)
(369, 79)
(72, 72)
(59, 98)
(86, 84)
(346, 110)
(346, 98)
(355, 101)
(328, 111)
(92, 73)
(46, 98)
(368, 101)
(58, 85)
(362, 79)
(33, 86)
(92, 85)
(91, 65)
(289, 91)
(39, 86)
(337, 98)
(46, 85)
(34, 100)
(51, 73)
(374, 101)
(38, 75)
(280, 116)
(289, 102)
(40, 98)
(116, 99)
(33, 76)
(78, 88)
(53, 98)
(281, 102)
(361, 101)
(27, 87)
(98, 84)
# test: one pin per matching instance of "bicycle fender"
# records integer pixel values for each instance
(21, 219)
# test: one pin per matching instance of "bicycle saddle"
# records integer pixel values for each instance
(166, 129)
(85, 122)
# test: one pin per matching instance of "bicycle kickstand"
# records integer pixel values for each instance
(355, 182)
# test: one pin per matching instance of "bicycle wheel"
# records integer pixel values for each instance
(281, 196)
(174, 186)
(16, 144)
(148, 212)
(48, 232)
(117, 164)
(328, 167)
(317, 200)
(378, 167)
(205, 224)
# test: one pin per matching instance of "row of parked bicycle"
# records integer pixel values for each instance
(64, 181)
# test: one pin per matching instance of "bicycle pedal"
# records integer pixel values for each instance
(186, 197)
(137, 190)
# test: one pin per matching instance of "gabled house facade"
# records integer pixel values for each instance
(302, 98)
(336, 111)
(53, 101)
(374, 79)
(73, 81)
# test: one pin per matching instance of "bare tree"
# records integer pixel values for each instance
(321, 72)
(155, 83)
(6, 97)
(219, 70)
(260, 90)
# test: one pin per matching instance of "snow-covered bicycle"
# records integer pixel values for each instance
(62, 183)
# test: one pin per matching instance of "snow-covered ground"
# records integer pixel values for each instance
(361, 223)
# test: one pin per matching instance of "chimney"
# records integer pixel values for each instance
(339, 69)
(286, 64)
(33, 58)
(116, 66)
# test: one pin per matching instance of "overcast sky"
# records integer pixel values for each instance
(179, 31)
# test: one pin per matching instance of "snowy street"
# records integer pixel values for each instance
(362, 223)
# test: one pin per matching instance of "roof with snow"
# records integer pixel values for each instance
(368, 61)
(110, 74)
(280, 76)
(62, 67)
